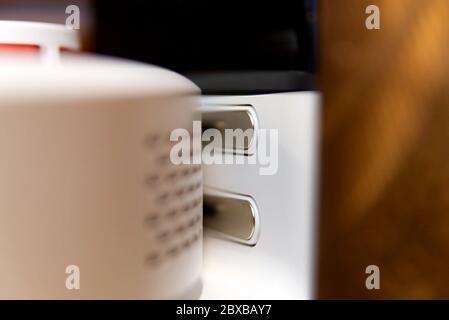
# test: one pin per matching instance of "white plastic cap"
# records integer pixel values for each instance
(49, 37)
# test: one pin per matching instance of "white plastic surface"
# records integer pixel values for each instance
(281, 265)
(87, 77)
(73, 190)
(49, 37)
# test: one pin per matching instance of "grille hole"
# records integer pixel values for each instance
(191, 223)
(186, 244)
(152, 140)
(151, 180)
(172, 213)
(152, 219)
(171, 176)
(179, 192)
(172, 251)
(180, 229)
(185, 208)
(153, 259)
(163, 236)
(163, 159)
(162, 198)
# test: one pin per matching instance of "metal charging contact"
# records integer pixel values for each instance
(234, 117)
(231, 215)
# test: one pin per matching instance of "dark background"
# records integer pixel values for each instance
(203, 35)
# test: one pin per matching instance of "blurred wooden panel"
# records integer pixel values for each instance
(385, 149)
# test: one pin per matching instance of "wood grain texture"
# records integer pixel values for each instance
(385, 149)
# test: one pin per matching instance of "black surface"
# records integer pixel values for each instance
(212, 36)
(252, 82)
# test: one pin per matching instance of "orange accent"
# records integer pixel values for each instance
(23, 48)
